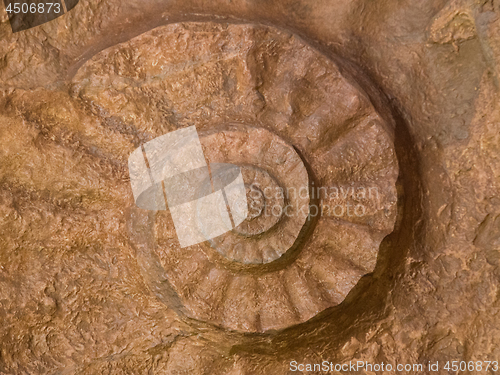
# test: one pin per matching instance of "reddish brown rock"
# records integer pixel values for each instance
(359, 89)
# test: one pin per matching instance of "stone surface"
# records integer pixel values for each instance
(78, 297)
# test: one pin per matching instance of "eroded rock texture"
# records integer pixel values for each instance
(397, 96)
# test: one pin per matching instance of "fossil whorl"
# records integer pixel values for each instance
(302, 132)
(269, 165)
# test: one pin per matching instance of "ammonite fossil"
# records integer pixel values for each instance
(317, 160)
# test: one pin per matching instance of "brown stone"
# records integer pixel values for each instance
(397, 96)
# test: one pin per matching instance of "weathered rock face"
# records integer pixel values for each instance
(368, 140)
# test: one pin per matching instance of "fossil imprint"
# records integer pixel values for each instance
(308, 142)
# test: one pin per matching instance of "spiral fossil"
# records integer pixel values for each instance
(266, 101)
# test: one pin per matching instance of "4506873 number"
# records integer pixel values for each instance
(476, 366)
(34, 8)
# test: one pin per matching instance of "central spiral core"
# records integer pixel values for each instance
(265, 202)
(277, 183)
(256, 204)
